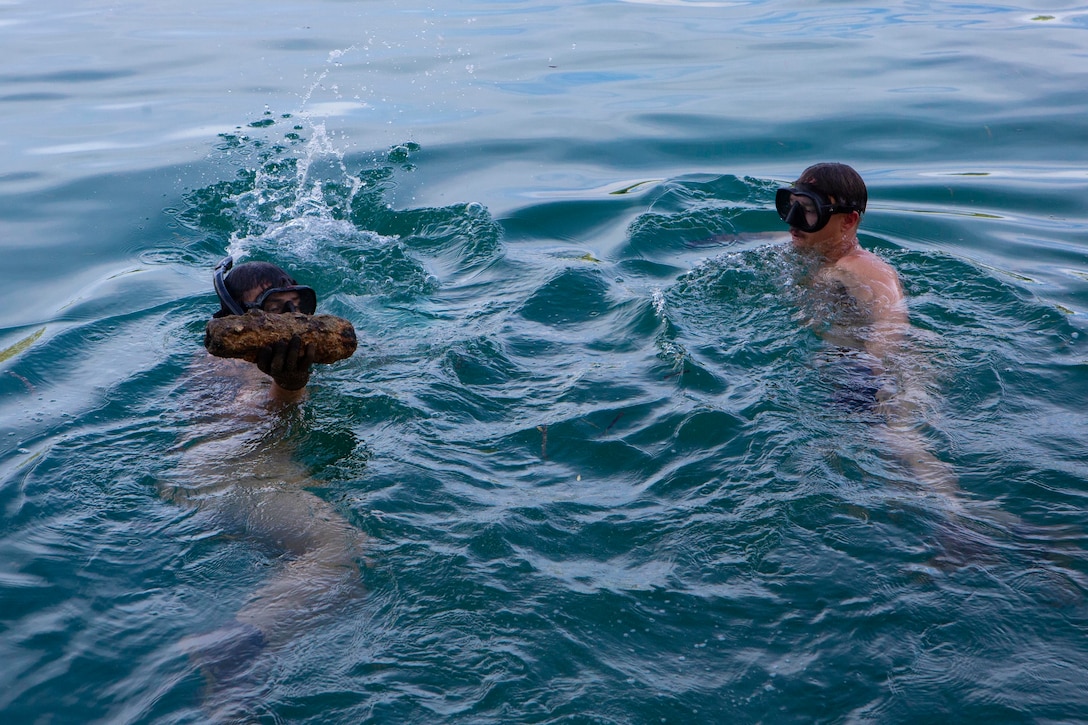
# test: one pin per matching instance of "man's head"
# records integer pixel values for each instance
(260, 285)
(842, 185)
(824, 206)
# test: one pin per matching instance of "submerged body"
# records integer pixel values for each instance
(238, 471)
(859, 309)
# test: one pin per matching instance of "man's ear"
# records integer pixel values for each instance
(853, 219)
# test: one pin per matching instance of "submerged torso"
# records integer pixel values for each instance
(236, 437)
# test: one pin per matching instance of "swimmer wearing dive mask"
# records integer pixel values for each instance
(823, 209)
(881, 375)
(264, 286)
(236, 467)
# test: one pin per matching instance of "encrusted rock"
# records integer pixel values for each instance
(244, 336)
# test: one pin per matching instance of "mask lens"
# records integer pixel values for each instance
(288, 299)
(802, 210)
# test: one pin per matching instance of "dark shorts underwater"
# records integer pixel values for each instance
(856, 380)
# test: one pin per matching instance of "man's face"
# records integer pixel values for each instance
(276, 302)
(838, 226)
(814, 240)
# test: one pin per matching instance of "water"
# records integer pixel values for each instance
(606, 470)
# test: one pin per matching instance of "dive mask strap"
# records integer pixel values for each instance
(825, 201)
(221, 288)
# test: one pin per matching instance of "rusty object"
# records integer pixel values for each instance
(244, 336)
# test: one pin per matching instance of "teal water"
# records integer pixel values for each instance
(607, 469)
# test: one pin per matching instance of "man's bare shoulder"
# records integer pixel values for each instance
(864, 264)
(872, 282)
(862, 268)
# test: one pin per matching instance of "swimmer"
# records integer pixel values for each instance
(869, 341)
(823, 209)
(238, 472)
(264, 286)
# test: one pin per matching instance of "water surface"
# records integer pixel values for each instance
(607, 469)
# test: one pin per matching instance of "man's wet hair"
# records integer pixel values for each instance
(838, 181)
(249, 275)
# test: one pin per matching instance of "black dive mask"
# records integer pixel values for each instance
(806, 209)
(295, 298)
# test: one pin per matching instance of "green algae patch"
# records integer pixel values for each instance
(21, 345)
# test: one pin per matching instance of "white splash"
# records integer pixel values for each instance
(658, 299)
